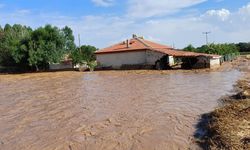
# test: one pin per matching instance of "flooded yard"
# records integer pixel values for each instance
(117, 110)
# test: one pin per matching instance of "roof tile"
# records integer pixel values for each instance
(139, 44)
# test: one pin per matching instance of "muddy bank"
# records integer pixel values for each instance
(228, 127)
(137, 110)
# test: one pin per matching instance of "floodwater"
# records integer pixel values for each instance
(115, 110)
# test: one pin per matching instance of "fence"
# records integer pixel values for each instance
(229, 57)
(244, 53)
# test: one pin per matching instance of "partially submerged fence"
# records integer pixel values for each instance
(229, 57)
(244, 53)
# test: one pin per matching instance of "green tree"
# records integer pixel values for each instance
(84, 54)
(7, 27)
(219, 49)
(49, 45)
(12, 50)
(69, 39)
(21, 47)
(244, 47)
(190, 48)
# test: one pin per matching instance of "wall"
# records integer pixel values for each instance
(116, 60)
(171, 60)
(214, 62)
(206, 62)
(60, 66)
(153, 56)
(203, 62)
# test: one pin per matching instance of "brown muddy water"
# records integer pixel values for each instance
(120, 110)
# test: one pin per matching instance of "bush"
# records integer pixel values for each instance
(92, 65)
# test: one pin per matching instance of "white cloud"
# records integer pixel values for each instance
(150, 8)
(245, 11)
(103, 3)
(222, 14)
(225, 26)
(103, 30)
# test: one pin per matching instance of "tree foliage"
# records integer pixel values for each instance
(13, 51)
(220, 49)
(85, 54)
(48, 45)
(190, 48)
(20, 46)
(244, 47)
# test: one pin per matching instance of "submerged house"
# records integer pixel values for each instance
(138, 53)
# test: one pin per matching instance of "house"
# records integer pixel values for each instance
(139, 53)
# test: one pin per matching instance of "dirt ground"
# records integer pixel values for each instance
(228, 127)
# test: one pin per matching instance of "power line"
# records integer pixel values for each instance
(206, 33)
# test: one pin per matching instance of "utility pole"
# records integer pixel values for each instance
(79, 40)
(206, 33)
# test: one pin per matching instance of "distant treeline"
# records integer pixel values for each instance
(244, 47)
(220, 49)
(27, 49)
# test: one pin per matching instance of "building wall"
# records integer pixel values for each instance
(153, 56)
(203, 62)
(214, 62)
(171, 60)
(206, 62)
(60, 66)
(116, 60)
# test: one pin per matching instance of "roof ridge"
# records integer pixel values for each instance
(145, 44)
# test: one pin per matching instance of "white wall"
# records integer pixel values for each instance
(153, 56)
(214, 62)
(116, 60)
(171, 60)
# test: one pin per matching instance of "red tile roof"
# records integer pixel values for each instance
(139, 44)
(181, 53)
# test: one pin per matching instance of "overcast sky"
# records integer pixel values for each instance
(104, 22)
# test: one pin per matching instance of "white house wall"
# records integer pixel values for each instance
(153, 56)
(116, 60)
(171, 60)
(214, 62)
